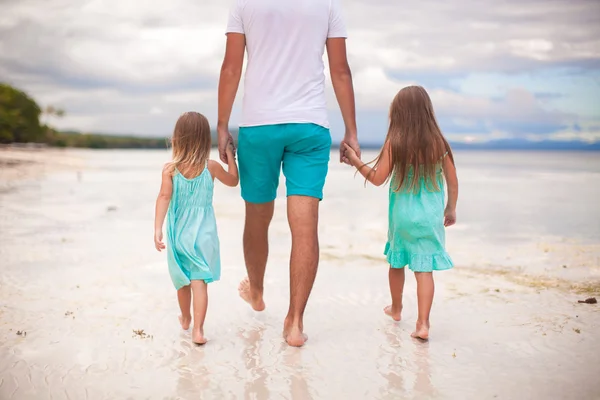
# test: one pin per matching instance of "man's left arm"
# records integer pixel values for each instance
(341, 77)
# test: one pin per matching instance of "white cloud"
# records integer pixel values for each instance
(478, 138)
(112, 64)
(588, 133)
(473, 34)
(375, 91)
(121, 41)
(518, 105)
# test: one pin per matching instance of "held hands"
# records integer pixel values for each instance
(225, 140)
(351, 141)
(349, 155)
(230, 151)
(449, 217)
(158, 241)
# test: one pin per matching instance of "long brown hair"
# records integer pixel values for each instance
(191, 143)
(416, 143)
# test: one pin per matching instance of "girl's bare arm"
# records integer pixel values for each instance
(452, 183)
(377, 176)
(162, 205)
(230, 177)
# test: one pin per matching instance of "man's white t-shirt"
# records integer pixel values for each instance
(285, 42)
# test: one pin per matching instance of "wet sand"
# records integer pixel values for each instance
(79, 276)
(32, 163)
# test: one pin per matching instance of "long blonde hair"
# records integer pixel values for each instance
(416, 143)
(191, 143)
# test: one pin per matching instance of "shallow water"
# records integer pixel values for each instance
(79, 274)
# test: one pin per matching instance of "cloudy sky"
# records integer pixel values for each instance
(495, 69)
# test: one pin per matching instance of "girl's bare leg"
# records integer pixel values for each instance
(425, 291)
(200, 298)
(396, 277)
(184, 297)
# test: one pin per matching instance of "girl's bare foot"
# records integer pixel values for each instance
(422, 331)
(198, 337)
(244, 290)
(395, 314)
(185, 322)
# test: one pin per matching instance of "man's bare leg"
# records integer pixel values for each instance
(303, 217)
(256, 252)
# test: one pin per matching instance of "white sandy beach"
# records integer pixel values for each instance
(78, 275)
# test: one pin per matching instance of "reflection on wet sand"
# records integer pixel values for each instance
(299, 389)
(399, 368)
(423, 387)
(194, 375)
(266, 362)
(394, 370)
(256, 378)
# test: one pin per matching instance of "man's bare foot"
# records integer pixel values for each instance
(185, 322)
(396, 315)
(422, 331)
(294, 337)
(244, 290)
(198, 337)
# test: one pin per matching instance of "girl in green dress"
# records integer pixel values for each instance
(186, 198)
(418, 162)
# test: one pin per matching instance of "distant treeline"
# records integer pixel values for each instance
(20, 123)
(100, 141)
(103, 141)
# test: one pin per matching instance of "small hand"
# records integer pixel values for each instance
(449, 217)
(350, 156)
(230, 151)
(224, 139)
(158, 243)
(352, 141)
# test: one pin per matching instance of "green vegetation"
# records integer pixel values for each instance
(97, 141)
(19, 117)
(20, 123)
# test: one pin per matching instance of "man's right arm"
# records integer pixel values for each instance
(341, 78)
(231, 73)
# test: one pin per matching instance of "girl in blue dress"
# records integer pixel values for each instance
(418, 161)
(186, 196)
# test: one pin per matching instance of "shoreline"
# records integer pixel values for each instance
(550, 147)
(34, 162)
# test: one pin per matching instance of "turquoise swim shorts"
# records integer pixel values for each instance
(301, 150)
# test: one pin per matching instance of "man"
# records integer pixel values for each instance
(284, 124)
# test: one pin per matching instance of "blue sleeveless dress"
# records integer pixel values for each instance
(192, 241)
(416, 233)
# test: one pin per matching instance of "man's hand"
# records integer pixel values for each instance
(225, 139)
(351, 141)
